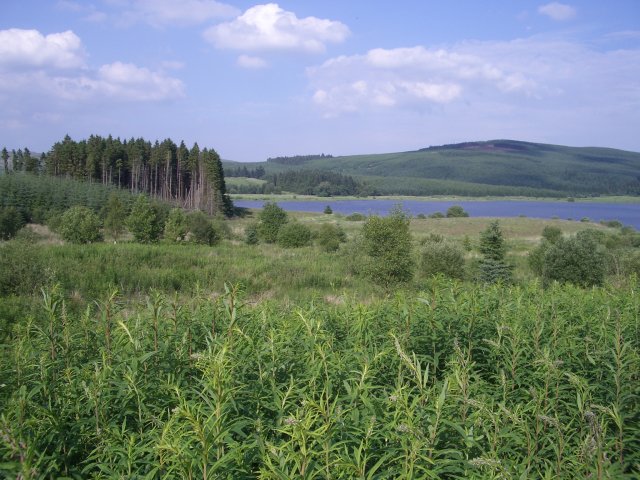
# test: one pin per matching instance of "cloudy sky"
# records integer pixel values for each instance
(255, 80)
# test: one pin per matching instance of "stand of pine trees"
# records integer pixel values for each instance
(191, 178)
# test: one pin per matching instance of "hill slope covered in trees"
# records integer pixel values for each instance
(497, 167)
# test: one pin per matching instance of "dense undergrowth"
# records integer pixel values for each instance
(457, 381)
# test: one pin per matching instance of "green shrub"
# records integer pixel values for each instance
(271, 219)
(202, 229)
(294, 235)
(329, 237)
(80, 225)
(328, 210)
(251, 236)
(456, 211)
(421, 216)
(551, 233)
(143, 221)
(115, 216)
(442, 257)
(387, 243)
(176, 226)
(579, 260)
(436, 215)
(355, 217)
(11, 220)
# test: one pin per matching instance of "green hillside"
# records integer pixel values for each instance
(497, 167)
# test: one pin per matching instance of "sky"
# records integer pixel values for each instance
(341, 77)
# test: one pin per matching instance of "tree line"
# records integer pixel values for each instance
(192, 178)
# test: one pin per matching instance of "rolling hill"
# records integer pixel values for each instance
(496, 167)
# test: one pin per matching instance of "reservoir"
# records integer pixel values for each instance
(627, 213)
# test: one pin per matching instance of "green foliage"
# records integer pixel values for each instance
(21, 270)
(436, 215)
(143, 221)
(329, 237)
(271, 219)
(177, 226)
(80, 225)
(456, 211)
(11, 220)
(387, 243)
(442, 257)
(355, 217)
(463, 381)
(294, 235)
(203, 230)
(493, 267)
(580, 260)
(328, 210)
(251, 236)
(115, 216)
(551, 234)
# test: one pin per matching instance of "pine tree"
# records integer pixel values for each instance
(5, 160)
(493, 267)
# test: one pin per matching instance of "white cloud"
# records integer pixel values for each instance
(415, 76)
(269, 27)
(160, 13)
(247, 61)
(89, 11)
(31, 49)
(529, 76)
(557, 11)
(52, 67)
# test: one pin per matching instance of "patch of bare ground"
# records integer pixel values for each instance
(45, 235)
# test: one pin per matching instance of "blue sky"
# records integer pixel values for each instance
(255, 80)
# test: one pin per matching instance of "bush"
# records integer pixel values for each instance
(330, 236)
(421, 216)
(143, 221)
(579, 260)
(456, 211)
(251, 234)
(202, 230)
(387, 243)
(294, 235)
(11, 220)
(115, 216)
(355, 217)
(80, 225)
(328, 210)
(436, 215)
(177, 226)
(442, 257)
(551, 234)
(271, 219)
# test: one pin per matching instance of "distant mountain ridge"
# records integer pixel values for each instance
(494, 167)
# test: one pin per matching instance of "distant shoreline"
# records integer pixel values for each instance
(435, 198)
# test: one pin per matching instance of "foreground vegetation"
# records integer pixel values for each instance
(281, 345)
(457, 381)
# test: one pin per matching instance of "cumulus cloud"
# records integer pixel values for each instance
(557, 11)
(269, 27)
(414, 76)
(160, 13)
(533, 74)
(247, 61)
(53, 67)
(31, 49)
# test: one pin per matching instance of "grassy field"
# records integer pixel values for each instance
(236, 361)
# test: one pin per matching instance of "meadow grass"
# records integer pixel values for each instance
(454, 381)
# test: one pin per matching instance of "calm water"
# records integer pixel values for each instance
(628, 214)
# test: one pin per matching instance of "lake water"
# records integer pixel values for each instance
(627, 213)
